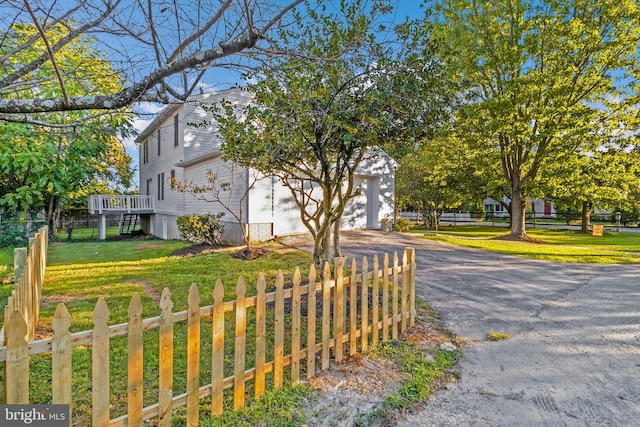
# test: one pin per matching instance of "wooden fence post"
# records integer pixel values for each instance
(353, 309)
(61, 357)
(338, 310)
(278, 352)
(295, 327)
(217, 353)
(17, 364)
(240, 344)
(165, 368)
(135, 363)
(100, 364)
(375, 303)
(385, 298)
(412, 286)
(364, 301)
(394, 301)
(261, 335)
(193, 356)
(404, 298)
(311, 323)
(326, 314)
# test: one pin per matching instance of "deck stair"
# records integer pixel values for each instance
(128, 223)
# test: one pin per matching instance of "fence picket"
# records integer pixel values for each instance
(338, 310)
(404, 299)
(278, 356)
(364, 303)
(385, 298)
(375, 332)
(326, 314)
(412, 291)
(17, 379)
(217, 354)
(353, 309)
(295, 327)
(61, 357)
(100, 364)
(135, 360)
(311, 323)
(394, 301)
(240, 344)
(165, 368)
(16, 353)
(261, 335)
(193, 356)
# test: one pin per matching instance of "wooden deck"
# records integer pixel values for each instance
(110, 204)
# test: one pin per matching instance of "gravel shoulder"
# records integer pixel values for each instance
(573, 358)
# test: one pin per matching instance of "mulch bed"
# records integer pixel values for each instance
(512, 238)
(203, 249)
(197, 249)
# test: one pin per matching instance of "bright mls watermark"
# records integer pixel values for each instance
(34, 415)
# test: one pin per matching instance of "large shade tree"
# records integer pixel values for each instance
(45, 167)
(541, 76)
(161, 49)
(319, 114)
(608, 177)
(436, 177)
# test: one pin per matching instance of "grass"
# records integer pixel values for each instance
(83, 270)
(497, 336)
(558, 246)
(424, 369)
(80, 272)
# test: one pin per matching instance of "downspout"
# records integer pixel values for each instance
(248, 233)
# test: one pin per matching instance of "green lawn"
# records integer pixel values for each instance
(79, 272)
(558, 245)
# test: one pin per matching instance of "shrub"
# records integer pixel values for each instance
(205, 228)
(15, 233)
(402, 224)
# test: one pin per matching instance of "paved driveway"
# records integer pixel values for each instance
(573, 358)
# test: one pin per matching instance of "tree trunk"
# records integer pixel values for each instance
(321, 247)
(587, 210)
(337, 253)
(50, 220)
(518, 213)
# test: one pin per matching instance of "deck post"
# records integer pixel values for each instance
(102, 227)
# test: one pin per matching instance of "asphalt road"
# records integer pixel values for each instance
(573, 358)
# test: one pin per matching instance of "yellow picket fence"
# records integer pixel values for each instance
(357, 311)
(29, 268)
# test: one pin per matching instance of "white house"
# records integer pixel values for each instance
(171, 147)
(542, 208)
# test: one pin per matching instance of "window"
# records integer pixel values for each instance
(149, 187)
(175, 131)
(145, 152)
(173, 176)
(158, 142)
(160, 195)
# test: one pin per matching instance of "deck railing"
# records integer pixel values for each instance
(99, 204)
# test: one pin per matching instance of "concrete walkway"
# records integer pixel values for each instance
(574, 354)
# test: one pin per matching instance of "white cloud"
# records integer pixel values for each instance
(148, 107)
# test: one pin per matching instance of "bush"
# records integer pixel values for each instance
(402, 224)
(205, 228)
(15, 233)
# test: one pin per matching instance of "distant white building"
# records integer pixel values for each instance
(170, 147)
(542, 208)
